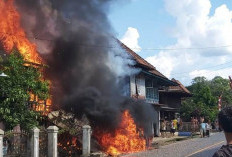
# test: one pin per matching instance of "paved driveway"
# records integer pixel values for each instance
(197, 147)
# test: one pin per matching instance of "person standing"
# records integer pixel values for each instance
(195, 124)
(192, 124)
(208, 128)
(180, 125)
(202, 129)
(163, 128)
(175, 123)
(216, 125)
(173, 127)
(225, 123)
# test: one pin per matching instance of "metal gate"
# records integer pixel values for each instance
(16, 144)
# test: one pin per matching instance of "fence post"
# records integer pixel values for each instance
(1, 142)
(35, 142)
(86, 140)
(52, 141)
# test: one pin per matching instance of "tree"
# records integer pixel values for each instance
(15, 92)
(202, 92)
(204, 99)
(220, 86)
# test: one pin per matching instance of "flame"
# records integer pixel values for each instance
(126, 139)
(42, 106)
(69, 144)
(12, 35)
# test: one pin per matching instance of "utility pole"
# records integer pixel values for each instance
(220, 102)
(230, 82)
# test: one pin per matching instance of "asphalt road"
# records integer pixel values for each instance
(197, 147)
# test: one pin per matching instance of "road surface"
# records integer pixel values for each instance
(197, 147)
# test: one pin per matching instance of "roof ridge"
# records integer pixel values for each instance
(181, 86)
(150, 65)
(141, 61)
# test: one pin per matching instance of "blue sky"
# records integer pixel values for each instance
(216, 3)
(166, 24)
(149, 17)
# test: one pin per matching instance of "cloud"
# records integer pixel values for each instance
(209, 74)
(130, 39)
(160, 59)
(196, 28)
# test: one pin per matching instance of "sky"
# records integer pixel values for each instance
(183, 39)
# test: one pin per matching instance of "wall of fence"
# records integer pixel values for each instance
(40, 143)
(189, 127)
(184, 127)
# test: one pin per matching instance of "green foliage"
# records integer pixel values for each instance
(204, 101)
(220, 86)
(15, 89)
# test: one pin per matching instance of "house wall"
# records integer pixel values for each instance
(138, 80)
(151, 85)
(156, 124)
(172, 100)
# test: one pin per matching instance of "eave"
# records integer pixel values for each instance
(161, 80)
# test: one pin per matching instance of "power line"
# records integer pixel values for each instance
(189, 48)
(116, 47)
(148, 49)
(208, 72)
(203, 68)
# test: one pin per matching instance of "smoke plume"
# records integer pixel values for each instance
(87, 67)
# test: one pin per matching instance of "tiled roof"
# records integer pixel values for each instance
(179, 88)
(142, 62)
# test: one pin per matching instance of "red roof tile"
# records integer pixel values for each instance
(142, 62)
(180, 87)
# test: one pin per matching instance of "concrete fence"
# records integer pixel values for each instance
(33, 150)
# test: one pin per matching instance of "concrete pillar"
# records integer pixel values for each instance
(158, 124)
(86, 140)
(52, 141)
(1, 142)
(35, 142)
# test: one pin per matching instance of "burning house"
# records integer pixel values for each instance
(91, 74)
(146, 85)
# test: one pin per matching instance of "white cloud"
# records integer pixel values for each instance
(210, 74)
(130, 39)
(165, 60)
(195, 28)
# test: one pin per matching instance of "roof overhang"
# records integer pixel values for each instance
(161, 80)
(175, 92)
(166, 108)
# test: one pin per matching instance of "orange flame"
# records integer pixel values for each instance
(126, 139)
(42, 106)
(12, 35)
(69, 144)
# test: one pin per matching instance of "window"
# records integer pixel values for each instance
(150, 94)
(151, 90)
(148, 83)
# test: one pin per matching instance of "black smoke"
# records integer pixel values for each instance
(76, 41)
